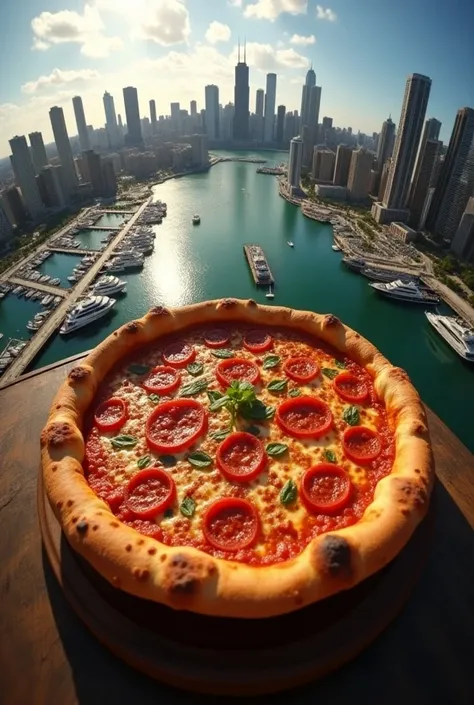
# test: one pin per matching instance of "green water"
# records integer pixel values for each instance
(60, 265)
(113, 219)
(92, 239)
(194, 263)
(14, 315)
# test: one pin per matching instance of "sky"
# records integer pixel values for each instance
(361, 51)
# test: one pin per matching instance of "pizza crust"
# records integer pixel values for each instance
(186, 578)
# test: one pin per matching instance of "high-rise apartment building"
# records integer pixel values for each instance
(310, 82)
(113, 133)
(193, 108)
(6, 230)
(323, 165)
(14, 206)
(241, 99)
(385, 143)
(25, 173)
(269, 112)
(280, 125)
(295, 163)
(81, 123)
(422, 180)
(211, 95)
(58, 123)
(456, 179)
(463, 241)
(358, 181)
(259, 102)
(343, 162)
(134, 127)
(38, 152)
(51, 184)
(153, 116)
(93, 168)
(415, 101)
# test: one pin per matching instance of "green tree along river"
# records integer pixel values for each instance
(195, 263)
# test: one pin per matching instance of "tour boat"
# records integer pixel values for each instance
(86, 311)
(108, 285)
(405, 291)
(456, 333)
(196, 219)
(291, 244)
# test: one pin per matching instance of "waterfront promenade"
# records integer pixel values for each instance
(54, 321)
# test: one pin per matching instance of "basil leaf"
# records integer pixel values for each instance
(124, 441)
(168, 513)
(199, 459)
(169, 461)
(288, 493)
(144, 461)
(190, 390)
(277, 386)
(257, 411)
(294, 392)
(137, 369)
(187, 507)
(154, 398)
(254, 430)
(219, 403)
(214, 395)
(340, 363)
(351, 415)
(330, 456)
(223, 353)
(219, 435)
(195, 369)
(271, 361)
(276, 449)
(330, 373)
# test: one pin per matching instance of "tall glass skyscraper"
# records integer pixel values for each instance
(241, 99)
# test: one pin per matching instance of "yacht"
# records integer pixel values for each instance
(386, 275)
(48, 300)
(336, 248)
(291, 244)
(108, 285)
(456, 333)
(196, 219)
(86, 311)
(56, 281)
(126, 261)
(270, 294)
(72, 278)
(355, 263)
(405, 291)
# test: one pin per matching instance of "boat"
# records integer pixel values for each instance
(270, 294)
(196, 219)
(56, 281)
(72, 278)
(405, 291)
(125, 262)
(336, 248)
(355, 263)
(456, 332)
(386, 275)
(48, 300)
(29, 294)
(291, 244)
(86, 311)
(108, 285)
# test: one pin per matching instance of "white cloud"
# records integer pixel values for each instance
(234, 3)
(58, 78)
(271, 9)
(266, 58)
(303, 40)
(218, 32)
(164, 22)
(67, 26)
(325, 14)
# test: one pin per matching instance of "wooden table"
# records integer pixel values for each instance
(48, 657)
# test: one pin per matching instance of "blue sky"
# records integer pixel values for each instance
(170, 49)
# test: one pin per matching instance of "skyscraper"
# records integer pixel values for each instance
(269, 114)
(310, 83)
(431, 130)
(259, 99)
(153, 116)
(386, 141)
(463, 241)
(456, 180)
(415, 101)
(295, 163)
(211, 94)
(70, 180)
(280, 123)
(25, 173)
(134, 127)
(38, 152)
(241, 99)
(421, 181)
(193, 108)
(81, 123)
(359, 174)
(310, 104)
(343, 162)
(111, 121)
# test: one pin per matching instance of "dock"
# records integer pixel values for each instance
(105, 228)
(54, 321)
(258, 281)
(72, 250)
(39, 286)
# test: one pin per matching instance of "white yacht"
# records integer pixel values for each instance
(125, 261)
(336, 248)
(86, 311)
(456, 333)
(108, 285)
(56, 281)
(405, 291)
(290, 243)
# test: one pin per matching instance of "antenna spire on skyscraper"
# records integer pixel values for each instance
(245, 51)
(238, 53)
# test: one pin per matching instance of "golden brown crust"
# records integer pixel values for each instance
(186, 578)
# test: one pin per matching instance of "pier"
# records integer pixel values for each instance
(258, 280)
(72, 251)
(105, 228)
(39, 286)
(56, 318)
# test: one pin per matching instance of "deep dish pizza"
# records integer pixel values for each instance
(235, 459)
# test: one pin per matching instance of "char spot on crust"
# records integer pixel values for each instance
(336, 556)
(251, 303)
(418, 428)
(59, 504)
(114, 524)
(128, 547)
(140, 542)
(151, 551)
(227, 303)
(95, 527)
(410, 494)
(141, 575)
(331, 321)
(417, 471)
(56, 434)
(78, 373)
(183, 575)
(132, 327)
(82, 527)
(159, 311)
(70, 502)
(115, 333)
(54, 467)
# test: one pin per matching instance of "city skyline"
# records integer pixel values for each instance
(180, 47)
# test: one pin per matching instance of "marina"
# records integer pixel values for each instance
(258, 264)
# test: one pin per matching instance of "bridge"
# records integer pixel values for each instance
(55, 290)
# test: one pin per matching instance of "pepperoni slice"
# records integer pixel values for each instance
(179, 354)
(350, 387)
(361, 444)
(111, 414)
(241, 457)
(175, 425)
(258, 341)
(162, 380)
(237, 368)
(304, 417)
(230, 524)
(217, 338)
(150, 492)
(301, 369)
(326, 488)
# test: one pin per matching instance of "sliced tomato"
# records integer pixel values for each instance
(179, 354)
(326, 488)
(361, 444)
(111, 414)
(350, 387)
(150, 492)
(216, 338)
(237, 368)
(304, 417)
(175, 425)
(241, 457)
(230, 524)
(162, 380)
(258, 341)
(301, 369)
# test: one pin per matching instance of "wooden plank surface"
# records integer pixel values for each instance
(47, 656)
